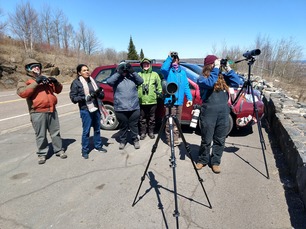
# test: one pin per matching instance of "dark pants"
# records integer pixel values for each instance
(175, 111)
(147, 118)
(90, 119)
(128, 122)
(214, 121)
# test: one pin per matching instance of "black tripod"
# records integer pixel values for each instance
(248, 87)
(170, 118)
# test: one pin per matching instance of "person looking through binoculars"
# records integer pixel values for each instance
(39, 92)
(126, 102)
(173, 73)
(148, 98)
(84, 91)
(214, 116)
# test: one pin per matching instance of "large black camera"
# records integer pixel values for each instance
(145, 89)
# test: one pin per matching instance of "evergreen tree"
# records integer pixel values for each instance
(132, 53)
(141, 55)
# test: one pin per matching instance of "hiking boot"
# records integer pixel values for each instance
(41, 159)
(216, 169)
(85, 155)
(142, 136)
(200, 166)
(101, 150)
(122, 145)
(61, 154)
(151, 135)
(136, 145)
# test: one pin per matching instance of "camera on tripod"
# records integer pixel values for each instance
(145, 89)
(250, 54)
(169, 88)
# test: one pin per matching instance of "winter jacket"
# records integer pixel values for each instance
(153, 82)
(179, 77)
(40, 98)
(125, 91)
(77, 94)
(232, 79)
(206, 85)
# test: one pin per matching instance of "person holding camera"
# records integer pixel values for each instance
(39, 92)
(173, 73)
(231, 78)
(148, 94)
(126, 102)
(85, 91)
(214, 116)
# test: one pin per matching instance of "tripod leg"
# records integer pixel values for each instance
(187, 147)
(261, 138)
(151, 156)
(172, 160)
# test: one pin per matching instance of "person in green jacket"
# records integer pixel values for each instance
(148, 98)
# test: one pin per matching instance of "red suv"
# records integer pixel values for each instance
(242, 108)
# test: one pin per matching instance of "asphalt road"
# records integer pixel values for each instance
(99, 192)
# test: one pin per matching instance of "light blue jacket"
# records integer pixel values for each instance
(179, 77)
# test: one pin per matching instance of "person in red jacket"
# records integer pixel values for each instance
(38, 90)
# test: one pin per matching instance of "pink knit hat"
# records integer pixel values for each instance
(210, 59)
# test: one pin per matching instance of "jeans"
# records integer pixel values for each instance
(90, 120)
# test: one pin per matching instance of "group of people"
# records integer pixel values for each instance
(135, 104)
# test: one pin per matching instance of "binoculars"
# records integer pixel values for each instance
(173, 54)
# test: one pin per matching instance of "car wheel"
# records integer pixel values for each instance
(111, 123)
(230, 124)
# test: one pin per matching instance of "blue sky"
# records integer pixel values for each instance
(192, 29)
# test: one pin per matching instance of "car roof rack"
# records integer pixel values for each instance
(153, 61)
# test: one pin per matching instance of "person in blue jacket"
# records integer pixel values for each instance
(173, 73)
(214, 116)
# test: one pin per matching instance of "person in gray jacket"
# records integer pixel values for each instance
(126, 103)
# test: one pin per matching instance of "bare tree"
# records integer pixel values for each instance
(2, 24)
(67, 36)
(92, 41)
(87, 38)
(24, 23)
(82, 38)
(46, 23)
(59, 18)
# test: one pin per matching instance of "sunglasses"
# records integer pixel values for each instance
(174, 54)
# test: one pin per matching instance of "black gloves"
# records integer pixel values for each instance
(125, 67)
(129, 68)
(99, 93)
(42, 79)
(53, 80)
